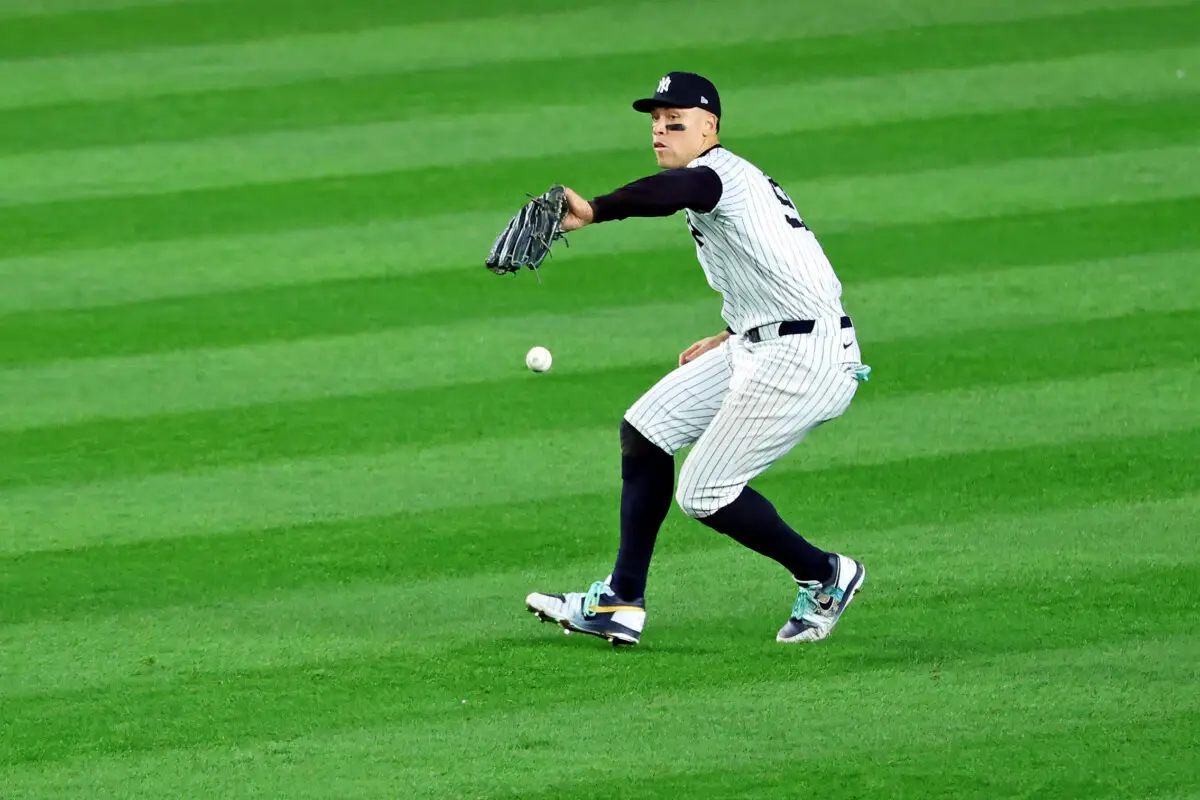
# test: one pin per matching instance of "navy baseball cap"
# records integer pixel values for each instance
(682, 90)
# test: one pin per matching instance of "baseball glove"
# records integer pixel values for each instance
(529, 235)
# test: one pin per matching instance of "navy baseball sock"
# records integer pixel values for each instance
(647, 482)
(753, 522)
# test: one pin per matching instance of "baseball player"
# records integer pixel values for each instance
(787, 362)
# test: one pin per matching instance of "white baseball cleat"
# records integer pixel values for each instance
(597, 612)
(819, 606)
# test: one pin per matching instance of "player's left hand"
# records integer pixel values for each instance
(531, 232)
(701, 347)
(579, 211)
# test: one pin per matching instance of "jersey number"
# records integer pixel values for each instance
(697, 235)
(782, 197)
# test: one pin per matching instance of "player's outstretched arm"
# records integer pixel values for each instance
(658, 195)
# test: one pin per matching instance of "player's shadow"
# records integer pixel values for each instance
(580, 642)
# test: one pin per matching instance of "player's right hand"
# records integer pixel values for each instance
(579, 211)
(701, 347)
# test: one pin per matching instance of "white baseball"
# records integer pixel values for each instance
(538, 359)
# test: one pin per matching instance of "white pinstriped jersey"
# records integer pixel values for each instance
(757, 252)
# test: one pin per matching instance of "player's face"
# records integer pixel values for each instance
(675, 148)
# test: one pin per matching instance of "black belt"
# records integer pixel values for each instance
(792, 327)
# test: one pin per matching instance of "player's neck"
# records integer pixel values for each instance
(707, 146)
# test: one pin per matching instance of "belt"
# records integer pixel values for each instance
(791, 327)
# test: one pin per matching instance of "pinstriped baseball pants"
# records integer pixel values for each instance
(744, 405)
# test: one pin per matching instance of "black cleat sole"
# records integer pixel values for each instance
(568, 629)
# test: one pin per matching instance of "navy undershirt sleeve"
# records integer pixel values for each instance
(661, 195)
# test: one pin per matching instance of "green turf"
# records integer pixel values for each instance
(374, 98)
(274, 480)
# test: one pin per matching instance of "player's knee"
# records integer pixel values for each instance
(634, 444)
(692, 496)
(645, 463)
(701, 496)
(686, 505)
(693, 502)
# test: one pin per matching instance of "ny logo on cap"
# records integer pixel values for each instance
(664, 84)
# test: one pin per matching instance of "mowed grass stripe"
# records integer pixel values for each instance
(572, 460)
(325, 102)
(225, 21)
(362, 645)
(956, 767)
(1008, 188)
(24, 9)
(589, 320)
(1078, 747)
(447, 143)
(368, 423)
(1079, 129)
(966, 714)
(345, 625)
(227, 568)
(1097, 230)
(457, 140)
(96, 26)
(379, 690)
(145, 271)
(444, 354)
(482, 42)
(258, 632)
(71, 225)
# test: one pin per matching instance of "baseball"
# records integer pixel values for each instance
(538, 359)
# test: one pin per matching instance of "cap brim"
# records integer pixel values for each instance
(651, 103)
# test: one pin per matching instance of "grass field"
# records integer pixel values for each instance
(274, 480)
